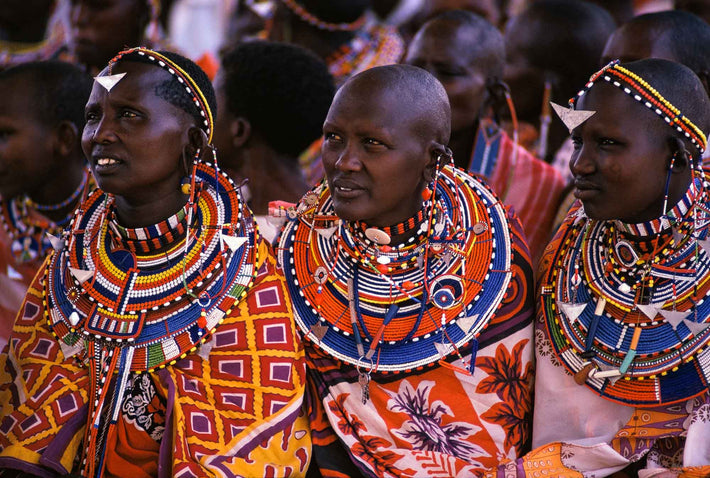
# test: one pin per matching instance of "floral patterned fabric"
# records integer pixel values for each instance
(601, 437)
(438, 421)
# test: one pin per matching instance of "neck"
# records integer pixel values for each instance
(142, 214)
(271, 176)
(461, 145)
(62, 183)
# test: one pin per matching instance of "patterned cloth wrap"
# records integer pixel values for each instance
(427, 414)
(529, 185)
(655, 420)
(218, 398)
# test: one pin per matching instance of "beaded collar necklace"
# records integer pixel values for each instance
(28, 228)
(624, 303)
(372, 45)
(311, 19)
(159, 305)
(399, 308)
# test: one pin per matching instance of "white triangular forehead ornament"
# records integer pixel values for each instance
(109, 81)
(571, 117)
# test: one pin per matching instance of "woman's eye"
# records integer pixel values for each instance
(332, 137)
(128, 114)
(373, 142)
(577, 142)
(607, 142)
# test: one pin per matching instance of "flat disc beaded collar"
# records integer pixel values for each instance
(106, 285)
(626, 305)
(398, 308)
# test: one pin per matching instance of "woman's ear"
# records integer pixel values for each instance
(67, 138)
(197, 142)
(240, 131)
(681, 158)
(495, 102)
(439, 156)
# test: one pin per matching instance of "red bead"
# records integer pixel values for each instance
(386, 249)
(408, 285)
(318, 299)
(382, 268)
(202, 322)
(426, 194)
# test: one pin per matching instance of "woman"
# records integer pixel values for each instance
(622, 340)
(43, 172)
(412, 289)
(156, 340)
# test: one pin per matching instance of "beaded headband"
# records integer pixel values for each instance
(637, 88)
(181, 75)
(308, 17)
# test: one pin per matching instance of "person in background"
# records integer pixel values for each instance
(99, 30)
(412, 287)
(552, 47)
(29, 32)
(272, 100)
(467, 55)
(43, 172)
(672, 35)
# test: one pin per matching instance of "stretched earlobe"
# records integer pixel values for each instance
(240, 130)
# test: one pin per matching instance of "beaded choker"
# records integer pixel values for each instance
(398, 229)
(625, 304)
(151, 238)
(400, 308)
(28, 229)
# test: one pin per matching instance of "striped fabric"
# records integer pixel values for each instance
(530, 186)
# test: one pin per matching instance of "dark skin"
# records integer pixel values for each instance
(24, 21)
(99, 30)
(448, 50)
(639, 40)
(622, 158)
(135, 142)
(39, 159)
(287, 27)
(378, 154)
(243, 153)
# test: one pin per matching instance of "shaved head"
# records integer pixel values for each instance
(420, 96)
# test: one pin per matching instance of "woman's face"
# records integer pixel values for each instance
(133, 138)
(621, 158)
(102, 28)
(374, 156)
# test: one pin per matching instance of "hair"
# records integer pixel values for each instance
(417, 89)
(486, 40)
(686, 35)
(679, 86)
(567, 38)
(59, 93)
(172, 91)
(283, 90)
